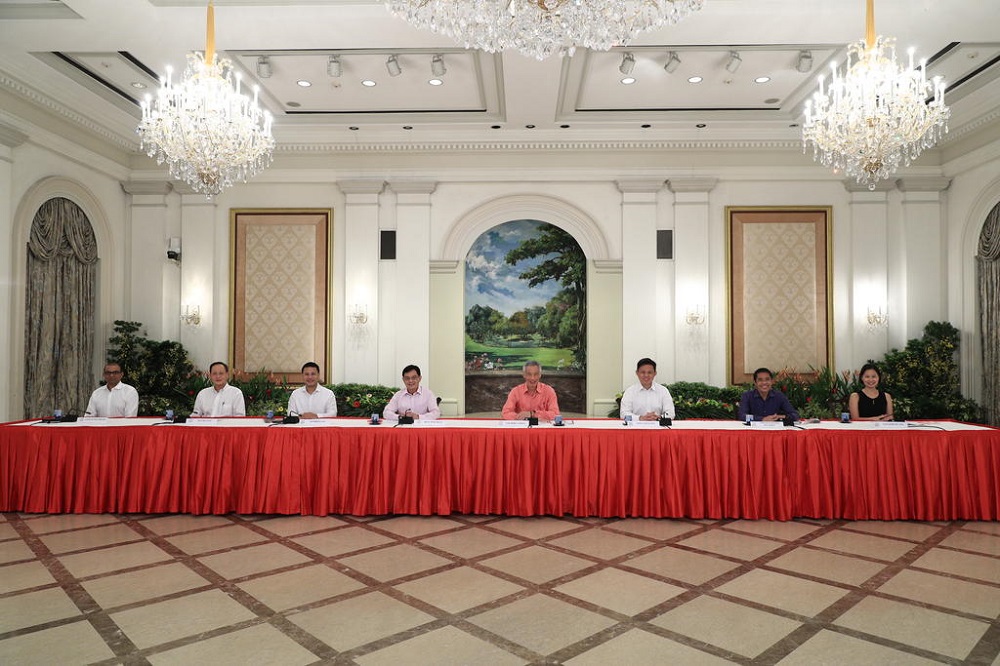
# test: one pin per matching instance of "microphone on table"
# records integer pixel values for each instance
(666, 421)
(291, 419)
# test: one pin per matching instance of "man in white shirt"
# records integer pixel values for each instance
(219, 399)
(646, 400)
(312, 401)
(413, 401)
(114, 398)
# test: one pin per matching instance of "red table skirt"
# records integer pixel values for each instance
(777, 475)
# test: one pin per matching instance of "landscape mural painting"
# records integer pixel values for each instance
(525, 300)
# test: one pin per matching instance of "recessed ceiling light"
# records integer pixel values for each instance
(762, 79)
(701, 125)
(564, 126)
(530, 126)
(302, 83)
(494, 127)
(138, 85)
(354, 128)
(368, 83)
(646, 126)
(407, 127)
(435, 82)
(695, 79)
(292, 105)
(628, 80)
(771, 100)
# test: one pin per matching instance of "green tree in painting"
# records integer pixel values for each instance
(565, 318)
(483, 323)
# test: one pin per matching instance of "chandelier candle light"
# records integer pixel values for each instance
(208, 132)
(876, 116)
(539, 28)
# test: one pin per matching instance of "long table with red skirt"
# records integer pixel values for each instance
(940, 470)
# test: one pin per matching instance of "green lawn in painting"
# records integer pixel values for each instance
(515, 357)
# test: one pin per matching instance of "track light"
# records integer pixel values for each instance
(734, 62)
(263, 67)
(673, 62)
(805, 61)
(437, 65)
(333, 67)
(628, 64)
(392, 66)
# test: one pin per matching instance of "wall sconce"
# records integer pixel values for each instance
(358, 315)
(191, 315)
(695, 316)
(877, 318)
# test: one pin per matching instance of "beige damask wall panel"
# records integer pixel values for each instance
(280, 269)
(779, 290)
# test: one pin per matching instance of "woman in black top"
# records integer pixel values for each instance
(870, 403)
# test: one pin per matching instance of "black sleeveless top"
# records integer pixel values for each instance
(876, 406)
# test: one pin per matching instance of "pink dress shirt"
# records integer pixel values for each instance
(423, 402)
(542, 403)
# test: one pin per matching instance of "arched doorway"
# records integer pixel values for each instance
(60, 307)
(988, 288)
(525, 300)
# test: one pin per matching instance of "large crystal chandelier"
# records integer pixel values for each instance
(540, 28)
(877, 115)
(208, 132)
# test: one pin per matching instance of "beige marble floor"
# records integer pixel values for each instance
(161, 590)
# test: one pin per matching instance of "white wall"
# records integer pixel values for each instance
(910, 246)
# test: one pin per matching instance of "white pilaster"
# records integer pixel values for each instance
(150, 273)
(641, 294)
(361, 283)
(204, 279)
(869, 251)
(925, 278)
(10, 139)
(692, 284)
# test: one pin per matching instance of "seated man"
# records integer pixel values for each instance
(647, 400)
(219, 399)
(532, 398)
(312, 401)
(114, 398)
(763, 403)
(412, 401)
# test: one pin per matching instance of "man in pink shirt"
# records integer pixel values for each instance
(532, 398)
(414, 401)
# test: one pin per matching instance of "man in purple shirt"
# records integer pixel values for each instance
(412, 401)
(764, 403)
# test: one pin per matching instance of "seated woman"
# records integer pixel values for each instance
(871, 403)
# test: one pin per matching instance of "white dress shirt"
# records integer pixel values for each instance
(321, 402)
(122, 400)
(226, 402)
(640, 401)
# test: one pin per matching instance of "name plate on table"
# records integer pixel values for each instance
(428, 423)
(318, 422)
(93, 419)
(518, 423)
(890, 425)
(642, 424)
(200, 420)
(767, 425)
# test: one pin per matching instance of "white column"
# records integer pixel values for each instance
(150, 272)
(413, 286)
(447, 345)
(870, 266)
(693, 293)
(361, 277)
(605, 369)
(204, 279)
(925, 279)
(10, 139)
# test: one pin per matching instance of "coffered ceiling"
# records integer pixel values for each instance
(91, 61)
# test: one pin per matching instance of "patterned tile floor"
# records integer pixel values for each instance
(175, 589)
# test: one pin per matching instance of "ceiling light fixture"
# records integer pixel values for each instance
(207, 131)
(437, 66)
(368, 83)
(673, 62)
(695, 79)
(734, 62)
(333, 67)
(762, 79)
(628, 80)
(874, 116)
(392, 66)
(804, 63)
(628, 64)
(264, 67)
(540, 28)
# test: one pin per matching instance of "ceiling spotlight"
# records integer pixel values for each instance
(333, 67)
(628, 64)
(437, 66)
(734, 62)
(805, 61)
(673, 62)
(264, 67)
(392, 66)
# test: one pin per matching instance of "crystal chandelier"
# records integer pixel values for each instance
(876, 116)
(540, 28)
(204, 128)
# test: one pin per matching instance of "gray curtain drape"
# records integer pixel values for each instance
(59, 311)
(988, 269)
